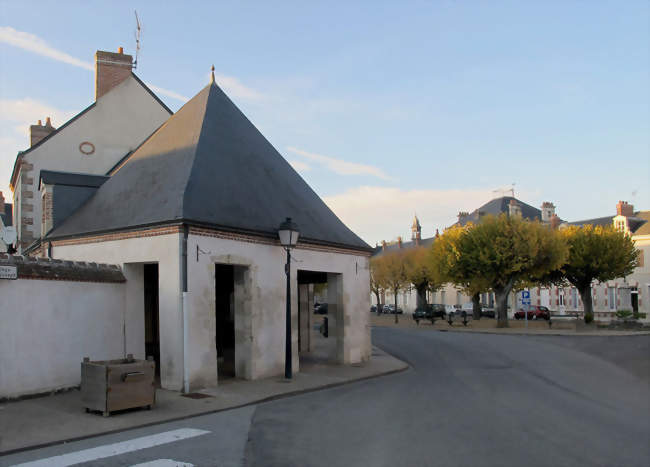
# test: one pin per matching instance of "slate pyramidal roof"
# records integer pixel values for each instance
(209, 166)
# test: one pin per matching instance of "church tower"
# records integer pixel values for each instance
(416, 230)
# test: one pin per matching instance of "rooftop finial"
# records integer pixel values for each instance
(212, 78)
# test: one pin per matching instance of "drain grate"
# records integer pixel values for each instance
(196, 395)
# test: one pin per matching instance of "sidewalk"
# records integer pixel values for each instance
(54, 419)
(488, 326)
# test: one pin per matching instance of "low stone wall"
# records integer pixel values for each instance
(54, 314)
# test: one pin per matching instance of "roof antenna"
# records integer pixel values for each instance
(138, 31)
(512, 189)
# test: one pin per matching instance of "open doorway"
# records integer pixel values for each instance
(225, 319)
(151, 314)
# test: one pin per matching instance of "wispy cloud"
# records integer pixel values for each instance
(300, 166)
(35, 44)
(342, 167)
(168, 93)
(235, 88)
(382, 213)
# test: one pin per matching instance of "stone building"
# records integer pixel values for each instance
(191, 216)
(125, 112)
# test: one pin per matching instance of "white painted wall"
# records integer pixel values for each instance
(261, 334)
(48, 327)
(117, 124)
(161, 249)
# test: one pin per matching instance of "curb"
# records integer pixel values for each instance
(296, 392)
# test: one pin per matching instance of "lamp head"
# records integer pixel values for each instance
(288, 233)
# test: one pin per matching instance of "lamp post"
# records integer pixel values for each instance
(288, 233)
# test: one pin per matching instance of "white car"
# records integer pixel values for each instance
(450, 309)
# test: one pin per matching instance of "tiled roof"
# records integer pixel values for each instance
(209, 166)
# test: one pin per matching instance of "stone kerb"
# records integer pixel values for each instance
(29, 267)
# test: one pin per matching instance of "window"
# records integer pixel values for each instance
(611, 298)
(442, 297)
(560, 299)
(574, 298)
(457, 298)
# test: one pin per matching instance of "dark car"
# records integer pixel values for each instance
(430, 311)
(391, 309)
(487, 312)
(320, 309)
(534, 312)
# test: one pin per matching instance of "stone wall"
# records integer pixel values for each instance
(53, 315)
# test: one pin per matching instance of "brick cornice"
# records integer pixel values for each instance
(109, 237)
(205, 232)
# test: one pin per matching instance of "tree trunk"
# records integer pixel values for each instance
(502, 303)
(378, 302)
(395, 295)
(421, 297)
(585, 294)
(476, 306)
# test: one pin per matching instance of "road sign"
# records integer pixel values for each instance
(525, 297)
(8, 272)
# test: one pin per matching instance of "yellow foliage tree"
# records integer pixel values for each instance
(390, 271)
(596, 254)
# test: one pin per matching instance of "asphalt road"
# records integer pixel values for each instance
(468, 400)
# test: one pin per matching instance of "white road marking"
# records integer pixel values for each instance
(109, 450)
(164, 463)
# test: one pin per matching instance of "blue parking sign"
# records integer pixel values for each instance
(525, 297)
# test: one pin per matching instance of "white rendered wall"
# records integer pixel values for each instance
(161, 249)
(117, 124)
(48, 327)
(260, 319)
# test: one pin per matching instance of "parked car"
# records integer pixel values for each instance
(321, 309)
(488, 312)
(430, 311)
(391, 309)
(373, 309)
(534, 312)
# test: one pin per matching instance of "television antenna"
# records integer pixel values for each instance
(138, 32)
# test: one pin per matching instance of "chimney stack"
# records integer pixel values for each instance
(548, 211)
(383, 245)
(110, 70)
(39, 131)
(555, 221)
(624, 209)
(514, 209)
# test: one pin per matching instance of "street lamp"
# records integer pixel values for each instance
(288, 233)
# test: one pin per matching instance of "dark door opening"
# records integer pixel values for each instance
(151, 318)
(225, 322)
(635, 300)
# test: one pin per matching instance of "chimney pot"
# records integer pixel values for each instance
(39, 123)
(120, 50)
(48, 122)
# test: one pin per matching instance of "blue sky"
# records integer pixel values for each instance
(385, 108)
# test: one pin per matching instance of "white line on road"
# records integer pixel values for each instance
(164, 463)
(109, 450)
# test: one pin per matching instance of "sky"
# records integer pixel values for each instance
(386, 109)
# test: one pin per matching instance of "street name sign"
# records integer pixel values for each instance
(8, 272)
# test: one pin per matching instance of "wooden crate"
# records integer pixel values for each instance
(109, 385)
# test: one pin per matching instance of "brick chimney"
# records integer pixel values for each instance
(624, 209)
(548, 211)
(514, 209)
(555, 221)
(39, 131)
(462, 215)
(110, 70)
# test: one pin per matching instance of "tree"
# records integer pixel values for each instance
(596, 254)
(419, 272)
(445, 260)
(391, 269)
(377, 282)
(506, 250)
